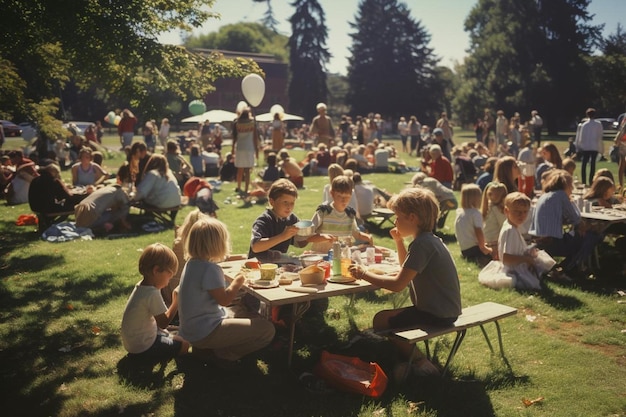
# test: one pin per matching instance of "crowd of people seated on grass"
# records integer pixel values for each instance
(493, 223)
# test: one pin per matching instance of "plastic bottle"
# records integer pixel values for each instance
(336, 259)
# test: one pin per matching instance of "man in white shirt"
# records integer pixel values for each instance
(589, 143)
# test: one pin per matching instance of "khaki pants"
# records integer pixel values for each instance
(235, 338)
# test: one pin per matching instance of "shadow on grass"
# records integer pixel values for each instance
(14, 237)
(141, 373)
(48, 338)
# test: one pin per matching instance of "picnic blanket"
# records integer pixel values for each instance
(66, 231)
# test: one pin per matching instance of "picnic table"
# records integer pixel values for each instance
(288, 294)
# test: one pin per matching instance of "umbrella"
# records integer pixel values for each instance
(268, 117)
(214, 116)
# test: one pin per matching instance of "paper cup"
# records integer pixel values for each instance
(268, 272)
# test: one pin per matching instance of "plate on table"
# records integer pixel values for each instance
(260, 283)
(341, 280)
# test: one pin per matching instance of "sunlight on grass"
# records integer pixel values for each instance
(565, 344)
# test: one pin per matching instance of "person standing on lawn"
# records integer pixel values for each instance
(246, 147)
(589, 144)
(126, 128)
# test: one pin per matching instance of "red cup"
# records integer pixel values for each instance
(326, 265)
(378, 258)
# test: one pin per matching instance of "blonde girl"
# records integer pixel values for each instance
(204, 294)
(180, 236)
(492, 210)
(468, 226)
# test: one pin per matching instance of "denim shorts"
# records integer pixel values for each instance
(163, 348)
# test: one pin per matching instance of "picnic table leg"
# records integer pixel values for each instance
(504, 359)
(298, 311)
(482, 328)
(460, 335)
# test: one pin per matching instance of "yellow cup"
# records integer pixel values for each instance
(345, 264)
(268, 272)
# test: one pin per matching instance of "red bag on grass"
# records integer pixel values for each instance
(351, 374)
(26, 220)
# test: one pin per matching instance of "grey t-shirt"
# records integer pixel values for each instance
(435, 289)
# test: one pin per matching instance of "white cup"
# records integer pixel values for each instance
(370, 254)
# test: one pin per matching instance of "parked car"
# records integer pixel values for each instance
(618, 121)
(10, 128)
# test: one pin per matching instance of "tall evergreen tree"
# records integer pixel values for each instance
(608, 74)
(268, 18)
(502, 67)
(527, 54)
(308, 57)
(392, 68)
(568, 39)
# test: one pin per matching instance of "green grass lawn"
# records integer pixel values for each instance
(61, 307)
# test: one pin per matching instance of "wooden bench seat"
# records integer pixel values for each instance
(473, 316)
(165, 216)
(45, 220)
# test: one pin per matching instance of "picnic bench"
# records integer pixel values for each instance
(380, 216)
(477, 315)
(165, 216)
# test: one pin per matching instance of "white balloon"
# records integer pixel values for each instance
(253, 88)
(241, 106)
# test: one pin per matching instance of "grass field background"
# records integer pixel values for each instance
(61, 307)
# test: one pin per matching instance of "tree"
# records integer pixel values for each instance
(110, 45)
(527, 54)
(501, 69)
(568, 40)
(608, 74)
(392, 68)
(308, 57)
(268, 18)
(243, 37)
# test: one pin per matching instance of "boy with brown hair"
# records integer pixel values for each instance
(146, 316)
(274, 229)
(336, 220)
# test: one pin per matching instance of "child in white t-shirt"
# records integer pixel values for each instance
(146, 316)
(468, 226)
(518, 257)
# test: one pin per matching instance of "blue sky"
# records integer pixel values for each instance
(443, 21)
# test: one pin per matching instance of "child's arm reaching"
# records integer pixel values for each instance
(163, 320)
(480, 237)
(268, 243)
(363, 236)
(321, 237)
(225, 296)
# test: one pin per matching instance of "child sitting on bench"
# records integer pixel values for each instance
(427, 269)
